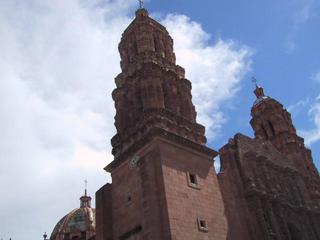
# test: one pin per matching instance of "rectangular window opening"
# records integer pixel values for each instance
(129, 198)
(202, 225)
(192, 180)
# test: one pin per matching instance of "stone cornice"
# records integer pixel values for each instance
(157, 117)
(158, 132)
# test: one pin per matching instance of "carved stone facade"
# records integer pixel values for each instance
(163, 182)
(270, 186)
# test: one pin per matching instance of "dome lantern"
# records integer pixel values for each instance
(77, 224)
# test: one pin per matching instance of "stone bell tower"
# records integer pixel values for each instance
(163, 182)
(270, 186)
(271, 121)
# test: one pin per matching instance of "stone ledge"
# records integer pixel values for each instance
(152, 134)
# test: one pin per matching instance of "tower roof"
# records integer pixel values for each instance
(145, 40)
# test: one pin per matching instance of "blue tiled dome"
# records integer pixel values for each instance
(78, 224)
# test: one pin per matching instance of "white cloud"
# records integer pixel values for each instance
(215, 70)
(310, 136)
(313, 135)
(56, 121)
(316, 76)
(299, 106)
(304, 10)
(217, 164)
(57, 64)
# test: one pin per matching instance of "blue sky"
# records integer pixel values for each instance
(57, 66)
(284, 36)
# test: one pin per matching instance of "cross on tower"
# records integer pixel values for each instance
(255, 81)
(85, 187)
(141, 3)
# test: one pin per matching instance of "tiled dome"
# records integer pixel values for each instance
(78, 224)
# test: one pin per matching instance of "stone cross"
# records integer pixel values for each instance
(141, 3)
(85, 187)
(255, 81)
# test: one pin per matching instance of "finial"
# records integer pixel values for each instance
(141, 12)
(255, 81)
(140, 3)
(259, 90)
(45, 236)
(85, 187)
(85, 201)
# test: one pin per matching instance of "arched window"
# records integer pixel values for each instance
(155, 43)
(66, 236)
(295, 233)
(271, 128)
(265, 134)
(83, 235)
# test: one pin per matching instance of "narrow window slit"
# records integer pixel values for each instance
(202, 225)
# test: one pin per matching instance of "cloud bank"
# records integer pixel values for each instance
(57, 65)
(313, 135)
(316, 77)
(56, 78)
(303, 10)
(312, 107)
(215, 69)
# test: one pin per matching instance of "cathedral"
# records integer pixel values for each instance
(164, 186)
